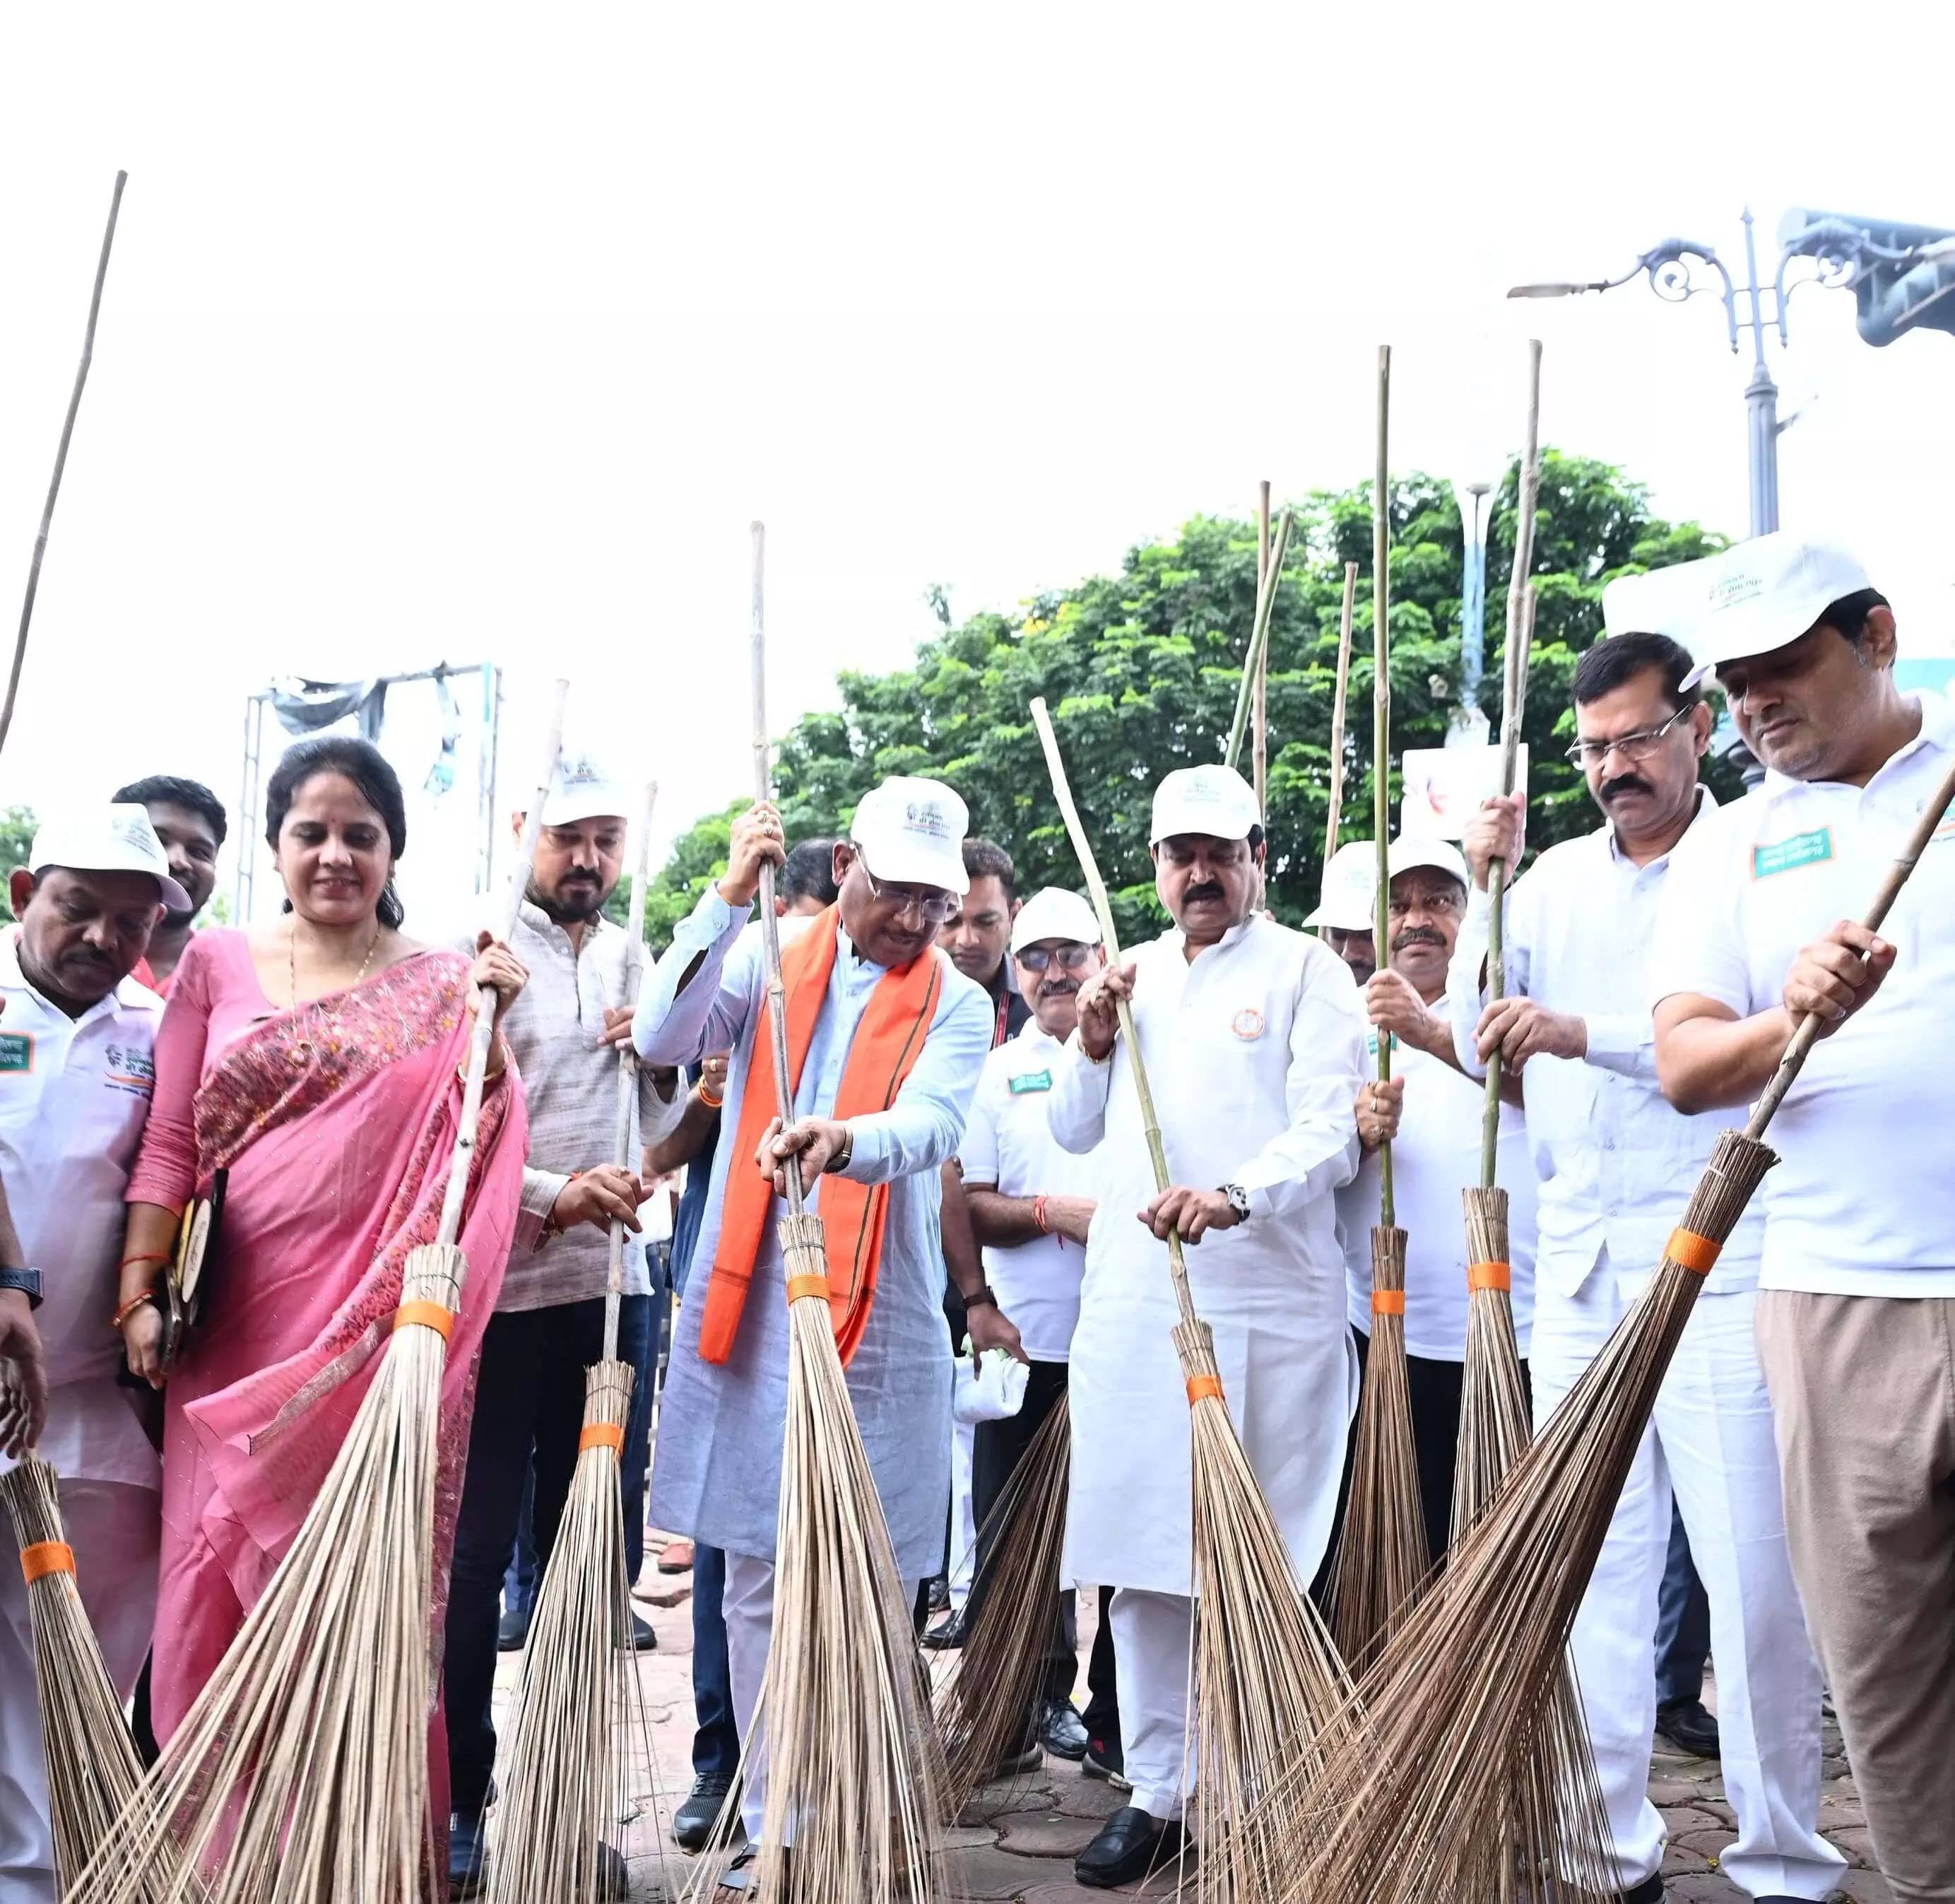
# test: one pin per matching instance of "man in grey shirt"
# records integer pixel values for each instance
(549, 1324)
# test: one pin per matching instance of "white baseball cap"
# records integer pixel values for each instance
(1054, 913)
(582, 789)
(910, 832)
(1761, 596)
(1410, 850)
(1345, 904)
(1213, 800)
(116, 837)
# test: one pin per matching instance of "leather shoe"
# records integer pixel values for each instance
(1130, 1844)
(693, 1822)
(1650, 1891)
(677, 1557)
(644, 1640)
(1062, 1732)
(465, 1856)
(513, 1634)
(1687, 1726)
(1105, 1760)
(1027, 1758)
(947, 1635)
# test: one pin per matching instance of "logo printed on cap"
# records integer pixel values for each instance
(1733, 591)
(927, 817)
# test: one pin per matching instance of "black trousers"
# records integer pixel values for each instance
(997, 1447)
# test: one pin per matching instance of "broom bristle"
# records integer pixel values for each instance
(1381, 1555)
(1267, 1679)
(578, 1762)
(988, 1697)
(301, 1770)
(855, 1775)
(1459, 1698)
(94, 1771)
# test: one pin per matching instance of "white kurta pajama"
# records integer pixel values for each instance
(1253, 1053)
(716, 1471)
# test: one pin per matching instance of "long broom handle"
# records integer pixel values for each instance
(1381, 734)
(1259, 718)
(1809, 1027)
(484, 1033)
(1150, 1124)
(1337, 714)
(627, 1072)
(61, 461)
(1259, 635)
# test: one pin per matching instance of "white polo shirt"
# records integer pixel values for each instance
(1863, 1201)
(1008, 1142)
(75, 1093)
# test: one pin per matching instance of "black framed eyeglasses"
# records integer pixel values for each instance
(1069, 956)
(1631, 747)
(933, 906)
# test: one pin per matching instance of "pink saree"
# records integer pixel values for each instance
(336, 1122)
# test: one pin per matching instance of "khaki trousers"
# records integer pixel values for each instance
(1863, 1402)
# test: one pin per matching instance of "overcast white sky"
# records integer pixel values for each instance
(463, 333)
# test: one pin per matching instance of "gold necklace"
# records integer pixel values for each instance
(300, 1051)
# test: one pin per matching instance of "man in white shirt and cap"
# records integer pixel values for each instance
(1616, 1165)
(1253, 1052)
(1343, 918)
(1856, 1301)
(877, 1017)
(77, 1034)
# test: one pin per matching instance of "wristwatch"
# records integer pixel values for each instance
(981, 1297)
(28, 1282)
(1238, 1199)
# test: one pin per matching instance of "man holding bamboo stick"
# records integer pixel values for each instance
(1615, 1165)
(1250, 1035)
(1856, 1303)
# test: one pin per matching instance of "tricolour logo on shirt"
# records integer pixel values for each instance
(1787, 855)
(16, 1051)
(1031, 1080)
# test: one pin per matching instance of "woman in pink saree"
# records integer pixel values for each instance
(316, 1061)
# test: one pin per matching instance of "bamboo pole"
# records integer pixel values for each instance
(1337, 714)
(1258, 641)
(61, 461)
(1381, 732)
(1261, 753)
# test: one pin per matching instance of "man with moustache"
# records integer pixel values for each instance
(1856, 1302)
(1031, 1204)
(1616, 1165)
(190, 820)
(548, 1324)
(1253, 1052)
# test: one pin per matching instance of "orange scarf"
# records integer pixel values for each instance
(888, 1042)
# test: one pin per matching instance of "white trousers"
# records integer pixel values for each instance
(1710, 1441)
(114, 1530)
(747, 1606)
(1152, 1636)
(964, 1521)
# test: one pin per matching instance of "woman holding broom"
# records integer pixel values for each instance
(315, 1060)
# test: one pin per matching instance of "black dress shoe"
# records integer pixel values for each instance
(1062, 1732)
(1650, 1891)
(644, 1640)
(693, 1822)
(1027, 1758)
(939, 1592)
(614, 1876)
(948, 1635)
(1689, 1727)
(1130, 1844)
(513, 1634)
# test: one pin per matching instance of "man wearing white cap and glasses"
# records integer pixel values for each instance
(1615, 1164)
(1253, 1052)
(1343, 917)
(1856, 1301)
(862, 982)
(77, 1034)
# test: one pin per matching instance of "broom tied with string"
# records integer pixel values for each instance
(300, 1771)
(579, 1755)
(854, 1772)
(1265, 1675)
(1458, 1695)
(1381, 1553)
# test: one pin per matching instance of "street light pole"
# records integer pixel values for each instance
(1761, 405)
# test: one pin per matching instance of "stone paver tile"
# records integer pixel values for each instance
(1679, 1819)
(1088, 1798)
(1865, 1887)
(989, 1873)
(1855, 1843)
(1060, 1891)
(1048, 1833)
(1667, 1789)
(1680, 1860)
(969, 1837)
(1702, 1887)
(1710, 1846)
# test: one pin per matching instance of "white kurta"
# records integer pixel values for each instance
(1254, 1052)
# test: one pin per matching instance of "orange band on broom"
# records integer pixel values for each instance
(1388, 1302)
(1689, 1250)
(45, 1557)
(602, 1434)
(1489, 1276)
(1200, 1388)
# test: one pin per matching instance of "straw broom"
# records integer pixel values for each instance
(300, 1773)
(1266, 1676)
(580, 1748)
(1458, 1700)
(1381, 1553)
(1336, 798)
(854, 1770)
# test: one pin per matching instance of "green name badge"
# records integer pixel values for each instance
(1031, 1080)
(1785, 855)
(16, 1051)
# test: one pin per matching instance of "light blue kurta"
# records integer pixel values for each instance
(716, 1473)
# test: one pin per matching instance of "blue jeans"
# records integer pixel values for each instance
(716, 1740)
(1682, 1621)
(529, 1402)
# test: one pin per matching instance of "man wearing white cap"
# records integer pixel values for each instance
(1616, 1164)
(1432, 1115)
(1856, 1302)
(1254, 1052)
(77, 1034)
(548, 1324)
(885, 1040)
(1030, 1204)
(1343, 916)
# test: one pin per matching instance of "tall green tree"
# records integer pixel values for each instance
(17, 841)
(1142, 670)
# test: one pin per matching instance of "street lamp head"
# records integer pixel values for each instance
(1553, 290)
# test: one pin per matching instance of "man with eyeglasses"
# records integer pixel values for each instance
(1253, 1053)
(1616, 1164)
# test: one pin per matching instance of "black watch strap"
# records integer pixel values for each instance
(28, 1282)
(980, 1298)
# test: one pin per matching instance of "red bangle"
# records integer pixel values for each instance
(148, 1256)
(129, 1308)
(1038, 1216)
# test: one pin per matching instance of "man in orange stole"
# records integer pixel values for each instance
(886, 1039)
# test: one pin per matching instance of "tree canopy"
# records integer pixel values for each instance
(1142, 670)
